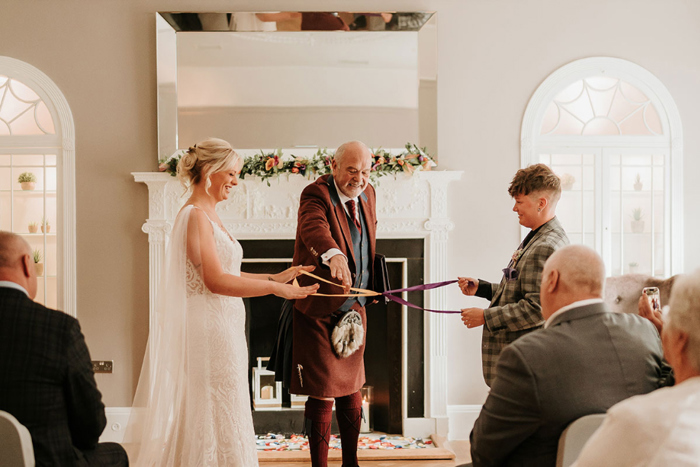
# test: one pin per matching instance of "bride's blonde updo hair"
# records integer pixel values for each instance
(203, 160)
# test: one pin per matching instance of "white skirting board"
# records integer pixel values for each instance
(117, 417)
(462, 418)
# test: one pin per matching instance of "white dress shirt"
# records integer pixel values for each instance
(659, 429)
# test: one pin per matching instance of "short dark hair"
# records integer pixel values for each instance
(533, 179)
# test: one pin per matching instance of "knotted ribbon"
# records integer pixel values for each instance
(388, 294)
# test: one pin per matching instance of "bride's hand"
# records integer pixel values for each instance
(292, 292)
(289, 274)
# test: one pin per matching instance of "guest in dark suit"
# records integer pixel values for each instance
(336, 233)
(515, 302)
(585, 360)
(46, 378)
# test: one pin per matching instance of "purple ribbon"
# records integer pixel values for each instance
(434, 285)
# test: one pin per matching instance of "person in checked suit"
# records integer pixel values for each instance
(336, 233)
(584, 361)
(46, 378)
(515, 301)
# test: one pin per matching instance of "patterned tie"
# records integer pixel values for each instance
(352, 209)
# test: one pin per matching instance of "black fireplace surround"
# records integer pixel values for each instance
(383, 349)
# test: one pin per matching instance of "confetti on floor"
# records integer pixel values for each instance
(277, 442)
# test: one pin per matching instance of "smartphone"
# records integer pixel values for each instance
(652, 294)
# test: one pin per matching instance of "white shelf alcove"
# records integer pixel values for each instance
(407, 207)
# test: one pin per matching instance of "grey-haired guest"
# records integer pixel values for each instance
(661, 428)
(514, 308)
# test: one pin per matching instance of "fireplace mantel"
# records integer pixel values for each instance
(408, 206)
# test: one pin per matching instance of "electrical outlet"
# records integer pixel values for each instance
(102, 366)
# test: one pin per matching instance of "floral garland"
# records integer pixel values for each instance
(266, 166)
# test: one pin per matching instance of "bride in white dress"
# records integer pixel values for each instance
(192, 405)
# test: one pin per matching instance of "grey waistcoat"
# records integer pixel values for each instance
(360, 245)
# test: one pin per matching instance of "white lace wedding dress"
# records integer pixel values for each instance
(209, 422)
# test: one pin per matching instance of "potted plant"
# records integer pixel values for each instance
(38, 265)
(27, 180)
(33, 227)
(567, 181)
(45, 226)
(637, 223)
(638, 183)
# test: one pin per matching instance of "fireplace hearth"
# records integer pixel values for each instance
(385, 348)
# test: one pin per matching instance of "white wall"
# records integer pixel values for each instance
(492, 56)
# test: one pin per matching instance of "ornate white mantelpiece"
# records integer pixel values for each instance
(407, 207)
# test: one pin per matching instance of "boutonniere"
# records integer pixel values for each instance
(516, 256)
(510, 274)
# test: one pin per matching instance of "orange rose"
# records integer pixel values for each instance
(270, 163)
(295, 170)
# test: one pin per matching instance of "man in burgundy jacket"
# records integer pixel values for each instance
(336, 232)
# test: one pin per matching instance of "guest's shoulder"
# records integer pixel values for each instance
(539, 341)
(633, 322)
(23, 311)
(645, 408)
(555, 233)
(57, 317)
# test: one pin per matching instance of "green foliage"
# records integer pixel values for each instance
(637, 214)
(25, 177)
(272, 164)
(37, 255)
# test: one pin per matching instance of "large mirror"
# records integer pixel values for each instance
(297, 79)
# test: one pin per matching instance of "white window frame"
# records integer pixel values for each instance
(61, 143)
(670, 143)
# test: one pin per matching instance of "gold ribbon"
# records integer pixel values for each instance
(360, 292)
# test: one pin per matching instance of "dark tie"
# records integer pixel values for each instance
(352, 209)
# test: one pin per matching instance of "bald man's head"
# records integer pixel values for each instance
(12, 247)
(572, 273)
(16, 263)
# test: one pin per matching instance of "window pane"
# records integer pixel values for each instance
(30, 209)
(22, 112)
(598, 106)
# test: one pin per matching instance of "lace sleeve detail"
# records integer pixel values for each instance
(195, 284)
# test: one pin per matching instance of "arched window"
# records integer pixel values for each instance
(37, 188)
(612, 132)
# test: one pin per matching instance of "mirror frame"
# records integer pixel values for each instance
(167, 28)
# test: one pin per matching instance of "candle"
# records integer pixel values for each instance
(364, 423)
(267, 393)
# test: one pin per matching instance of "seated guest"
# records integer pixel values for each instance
(46, 378)
(585, 360)
(661, 428)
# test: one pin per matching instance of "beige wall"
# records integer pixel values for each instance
(492, 56)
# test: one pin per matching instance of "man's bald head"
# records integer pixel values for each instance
(572, 273)
(12, 247)
(16, 263)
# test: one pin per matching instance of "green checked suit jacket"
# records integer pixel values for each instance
(515, 304)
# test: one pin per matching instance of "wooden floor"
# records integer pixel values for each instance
(460, 448)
